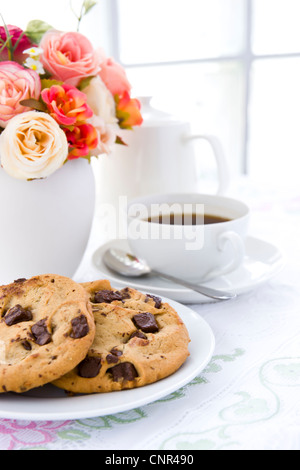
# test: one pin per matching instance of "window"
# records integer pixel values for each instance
(230, 67)
(188, 55)
(274, 107)
(57, 13)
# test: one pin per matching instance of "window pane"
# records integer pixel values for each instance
(276, 26)
(57, 13)
(172, 30)
(274, 146)
(209, 96)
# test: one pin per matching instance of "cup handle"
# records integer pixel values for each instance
(223, 170)
(239, 253)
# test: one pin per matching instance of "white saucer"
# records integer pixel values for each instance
(262, 261)
(50, 403)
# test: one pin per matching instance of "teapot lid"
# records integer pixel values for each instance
(154, 117)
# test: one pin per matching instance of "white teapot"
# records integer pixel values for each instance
(159, 158)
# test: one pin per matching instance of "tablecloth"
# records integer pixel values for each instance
(247, 398)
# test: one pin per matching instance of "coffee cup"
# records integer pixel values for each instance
(195, 237)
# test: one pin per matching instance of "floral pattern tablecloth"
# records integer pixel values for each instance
(248, 395)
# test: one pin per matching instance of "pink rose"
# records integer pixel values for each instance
(68, 57)
(16, 84)
(114, 77)
(23, 43)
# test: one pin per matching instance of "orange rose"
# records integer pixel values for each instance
(128, 111)
(67, 105)
(82, 140)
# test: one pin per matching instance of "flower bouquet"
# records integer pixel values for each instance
(60, 99)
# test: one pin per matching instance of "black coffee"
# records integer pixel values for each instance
(187, 219)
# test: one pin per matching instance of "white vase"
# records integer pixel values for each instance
(46, 224)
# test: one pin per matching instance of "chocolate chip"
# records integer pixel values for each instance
(20, 281)
(89, 367)
(40, 333)
(80, 327)
(125, 371)
(157, 300)
(26, 345)
(113, 357)
(107, 296)
(116, 352)
(138, 334)
(125, 293)
(16, 315)
(146, 322)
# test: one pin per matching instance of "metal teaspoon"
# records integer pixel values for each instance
(128, 265)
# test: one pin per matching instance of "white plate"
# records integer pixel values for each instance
(51, 403)
(262, 261)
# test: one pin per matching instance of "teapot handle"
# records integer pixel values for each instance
(223, 170)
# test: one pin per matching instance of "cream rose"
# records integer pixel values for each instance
(102, 103)
(101, 100)
(32, 146)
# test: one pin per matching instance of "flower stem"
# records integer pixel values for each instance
(81, 15)
(86, 7)
(18, 41)
(4, 46)
(8, 43)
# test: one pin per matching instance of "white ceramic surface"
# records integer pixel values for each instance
(262, 261)
(51, 403)
(160, 156)
(196, 253)
(46, 223)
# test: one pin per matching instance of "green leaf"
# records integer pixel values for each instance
(34, 104)
(84, 83)
(48, 83)
(36, 29)
(88, 5)
(87, 157)
(120, 141)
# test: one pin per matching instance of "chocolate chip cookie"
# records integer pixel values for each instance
(46, 328)
(139, 340)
